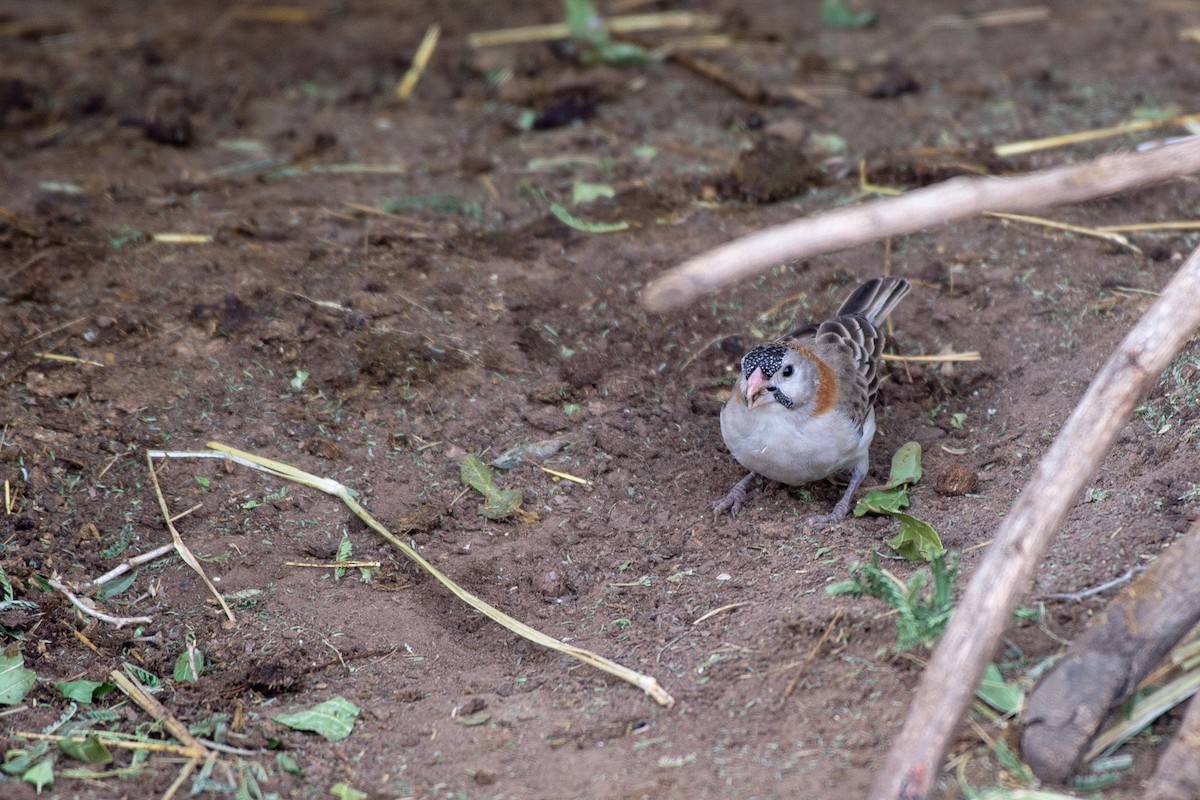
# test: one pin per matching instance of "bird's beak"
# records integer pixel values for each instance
(756, 388)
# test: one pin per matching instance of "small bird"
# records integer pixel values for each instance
(804, 406)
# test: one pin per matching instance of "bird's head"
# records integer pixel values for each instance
(775, 373)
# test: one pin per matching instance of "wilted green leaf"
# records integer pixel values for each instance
(85, 692)
(115, 587)
(90, 751)
(347, 792)
(18, 762)
(1000, 695)
(837, 14)
(40, 774)
(916, 540)
(472, 720)
(882, 501)
(332, 719)
(189, 665)
(571, 221)
(499, 503)
(906, 466)
(584, 192)
(15, 680)
(475, 474)
(288, 764)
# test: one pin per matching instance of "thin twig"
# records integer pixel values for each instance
(135, 561)
(1075, 597)
(957, 198)
(119, 622)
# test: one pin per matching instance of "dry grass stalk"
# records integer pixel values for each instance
(286, 471)
(1080, 137)
(630, 23)
(1108, 236)
(180, 547)
(420, 60)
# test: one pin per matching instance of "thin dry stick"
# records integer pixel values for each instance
(957, 198)
(91, 611)
(129, 564)
(134, 690)
(1007, 568)
(182, 548)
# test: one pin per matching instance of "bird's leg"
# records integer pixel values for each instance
(733, 501)
(843, 506)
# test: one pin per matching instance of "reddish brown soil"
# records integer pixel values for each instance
(470, 320)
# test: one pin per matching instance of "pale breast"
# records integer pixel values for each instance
(791, 447)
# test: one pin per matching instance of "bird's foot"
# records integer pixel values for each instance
(732, 502)
(842, 508)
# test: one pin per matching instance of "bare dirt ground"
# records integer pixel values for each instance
(386, 291)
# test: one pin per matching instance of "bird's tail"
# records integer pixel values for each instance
(876, 298)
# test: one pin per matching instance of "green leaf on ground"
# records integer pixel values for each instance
(498, 503)
(584, 192)
(572, 221)
(906, 466)
(84, 692)
(90, 751)
(189, 665)
(15, 680)
(333, 719)
(40, 774)
(1005, 697)
(917, 539)
(596, 46)
(838, 14)
(345, 791)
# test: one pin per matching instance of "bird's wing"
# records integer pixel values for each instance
(851, 345)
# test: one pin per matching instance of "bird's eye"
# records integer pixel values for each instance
(787, 371)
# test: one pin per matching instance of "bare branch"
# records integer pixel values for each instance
(1007, 568)
(954, 199)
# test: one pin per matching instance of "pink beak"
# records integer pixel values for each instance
(756, 387)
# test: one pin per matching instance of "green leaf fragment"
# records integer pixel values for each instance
(189, 665)
(15, 680)
(473, 720)
(346, 792)
(571, 221)
(84, 692)
(837, 14)
(90, 751)
(917, 540)
(996, 692)
(906, 466)
(498, 503)
(288, 764)
(116, 587)
(333, 719)
(584, 192)
(40, 774)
